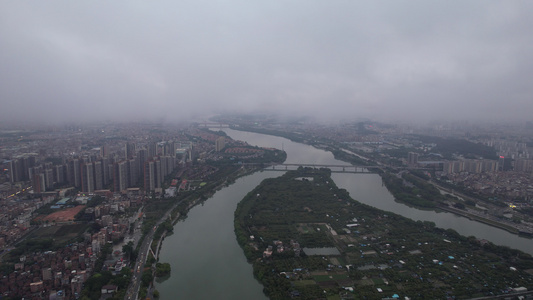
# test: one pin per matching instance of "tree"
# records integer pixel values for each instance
(162, 269)
(459, 205)
(128, 250)
(146, 278)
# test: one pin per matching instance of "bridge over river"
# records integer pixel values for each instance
(333, 168)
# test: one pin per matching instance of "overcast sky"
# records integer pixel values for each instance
(170, 60)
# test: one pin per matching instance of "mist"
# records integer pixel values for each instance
(172, 61)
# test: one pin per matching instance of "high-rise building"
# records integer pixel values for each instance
(129, 150)
(59, 174)
(412, 158)
(74, 172)
(192, 153)
(149, 176)
(159, 174)
(106, 177)
(12, 171)
(111, 172)
(27, 162)
(504, 163)
(49, 178)
(38, 183)
(87, 177)
(18, 170)
(168, 148)
(172, 146)
(133, 169)
(164, 166)
(489, 165)
(98, 175)
(152, 150)
(104, 151)
(220, 143)
(142, 155)
(120, 176)
(523, 165)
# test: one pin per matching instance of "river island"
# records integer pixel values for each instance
(307, 238)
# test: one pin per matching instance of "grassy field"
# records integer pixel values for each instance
(60, 233)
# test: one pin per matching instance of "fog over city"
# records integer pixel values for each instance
(177, 60)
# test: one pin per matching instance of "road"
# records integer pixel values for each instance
(133, 289)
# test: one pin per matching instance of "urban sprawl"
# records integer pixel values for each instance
(85, 187)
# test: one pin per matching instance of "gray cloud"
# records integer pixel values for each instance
(134, 60)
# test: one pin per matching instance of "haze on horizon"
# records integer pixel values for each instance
(177, 60)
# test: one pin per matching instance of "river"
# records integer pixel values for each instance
(207, 262)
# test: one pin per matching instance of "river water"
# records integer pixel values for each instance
(207, 262)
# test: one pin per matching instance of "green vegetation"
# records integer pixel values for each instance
(165, 226)
(400, 152)
(129, 252)
(468, 192)
(162, 269)
(304, 209)
(47, 239)
(95, 201)
(146, 278)
(45, 209)
(29, 246)
(106, 250)
(256, 155)
(93, 285)
(412, 190)
(450, 146)
(347, 157)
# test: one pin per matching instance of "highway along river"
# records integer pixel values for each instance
(207, 262)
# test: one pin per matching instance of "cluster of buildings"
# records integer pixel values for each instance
(61, 274)
(502, 185)
(123, 163)
(90, 158)
(15, 217)
(50, 274)
(278, 247)
(123, 169)
(470, 165)
(90, 173)
(510, 148)
(245, 153)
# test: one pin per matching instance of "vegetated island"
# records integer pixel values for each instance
(308, 239)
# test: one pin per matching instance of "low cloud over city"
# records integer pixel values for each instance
(180, 60)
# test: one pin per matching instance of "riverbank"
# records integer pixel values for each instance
(199, 199)
(168, 211)
(344, 155)
(480, 219)
(204, 249)
(179, 213)
(206, 260)
(512, 228)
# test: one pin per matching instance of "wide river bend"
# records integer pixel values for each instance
(207, 262)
